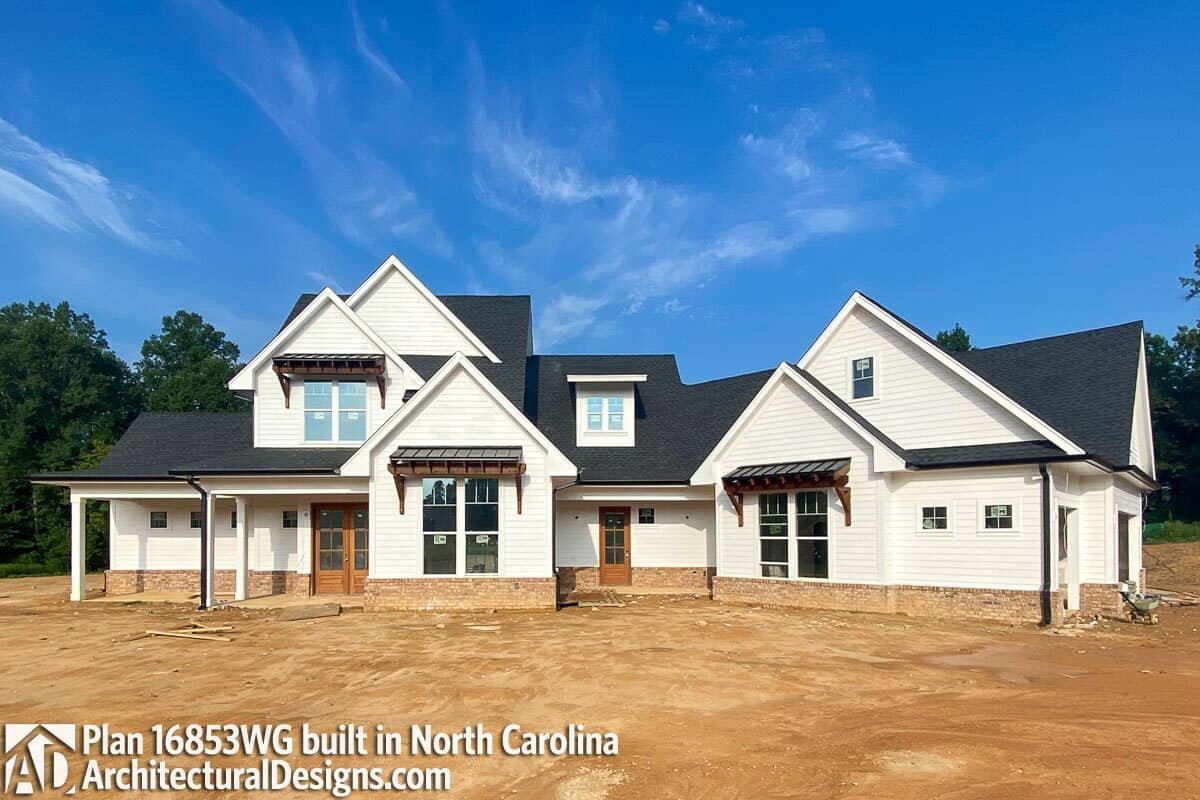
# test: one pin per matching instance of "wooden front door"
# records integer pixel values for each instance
(615, 568)
(339, 548)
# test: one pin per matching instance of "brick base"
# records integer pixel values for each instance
(572, 578)
(262, 582)
(458, 594)
(1100, 600)
(944, 602)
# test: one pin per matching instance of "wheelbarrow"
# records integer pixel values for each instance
(1142, 607)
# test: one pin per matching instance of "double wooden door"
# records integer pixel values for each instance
(615, 569)
(340, 548)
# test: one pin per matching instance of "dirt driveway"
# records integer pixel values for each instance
(708, 700)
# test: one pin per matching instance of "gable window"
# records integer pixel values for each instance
(482, 525)
(645, 516)
(998, 517)
(935, 518)
(158, 519)
(812, 534)
(606, 413)
(439, 522)
(291, 518)
(772, 534)
(194, 519)
(862, 372)
(325, 423)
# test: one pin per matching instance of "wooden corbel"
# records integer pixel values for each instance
(843, 493)
(738, 501)
(286, 384)
(520, 492)
(398, 478)
(381, 382)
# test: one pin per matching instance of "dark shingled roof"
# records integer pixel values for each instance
(1081, 383)
(966, 455)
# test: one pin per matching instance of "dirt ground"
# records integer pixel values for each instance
(709, 701)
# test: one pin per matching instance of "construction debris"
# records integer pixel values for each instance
(296, 613)
(195, 630)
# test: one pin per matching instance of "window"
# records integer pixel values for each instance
(812, 534)
(863, 377)
(158, 519)
(233, 518)
(320, 416)
(998, 517)
(934, 518)
(194, 519)
(646, 516)
(439, 523)
(606, 413)
(772, 535)
(482, 517)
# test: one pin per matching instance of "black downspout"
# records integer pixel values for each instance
(554, 533)
(205, 600)
(1047, 600)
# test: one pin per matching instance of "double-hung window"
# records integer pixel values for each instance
(773, 534)
(468, 509)
(606, 413)
(158, 519)
(862, 374)
(812, 534)
(193, 519)
(998, 516)
(482, 520)
(335, 411)
(439, 521)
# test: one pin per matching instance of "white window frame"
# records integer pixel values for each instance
(794, 539)
(335, 401)
(983, 530)
(786, 537)
(192, 515)
(919, 517)
(150, 521)
(606, 413)
(460, 527)
(283, 519)
(874, 395)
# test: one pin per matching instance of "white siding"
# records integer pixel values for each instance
(134, 545)
(404, 319)
(682, 535)
(792, 426)
(272, 546)
(967, 554)
(918, 402)
(461, 413)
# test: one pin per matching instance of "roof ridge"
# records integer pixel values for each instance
(1139, 323)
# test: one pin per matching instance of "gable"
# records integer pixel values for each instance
(1141, 443)
(919, 402)
(410, 319)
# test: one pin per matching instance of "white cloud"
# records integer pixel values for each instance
(661, 27)
(566, 316)
(877, 150)
(367, 50)
(62, 191)
(704, 16)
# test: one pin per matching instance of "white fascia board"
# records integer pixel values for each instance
(236, 486)
(244, 380)
(633, 494)
(392, 263)
(606, 379)
(886, 459)
(128, 490)
(359, 464)
(858, 300)
(1142, 397)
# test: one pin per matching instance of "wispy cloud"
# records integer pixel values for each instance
(366, 197)
(881, 151)
(661, 27)
(63, 192)
(371, 55)
(704, 16)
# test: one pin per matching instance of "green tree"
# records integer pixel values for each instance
(186, 367)
(956, 340)
(63, 393)
(1192, 284)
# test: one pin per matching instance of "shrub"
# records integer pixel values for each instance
(1170, 531)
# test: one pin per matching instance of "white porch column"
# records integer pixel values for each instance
(78, 546)
(242, 586)
(210, 546)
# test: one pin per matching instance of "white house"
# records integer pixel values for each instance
(413, 448)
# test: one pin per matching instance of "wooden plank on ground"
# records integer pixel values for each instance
(184, 635)
(296, 613)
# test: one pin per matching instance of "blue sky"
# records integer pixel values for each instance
(709, 180)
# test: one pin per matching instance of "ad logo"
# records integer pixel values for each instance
(35, 757)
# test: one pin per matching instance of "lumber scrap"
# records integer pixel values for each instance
(297, 613)
(188, 635)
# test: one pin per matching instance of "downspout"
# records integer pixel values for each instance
(1047, 600)
(554, 531)
(205, 600)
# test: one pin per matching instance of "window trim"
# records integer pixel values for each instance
(194, 520)
(283, 519)
(984, 530)
(460, 528)
(335, 411)
(605, 412)
(641, 512)
(793, 536)
(919, 517)
(874, 395)
(785, 537)
(166, 526)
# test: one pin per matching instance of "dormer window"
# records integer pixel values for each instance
(604, 409)
(862, 377)
(605, 413)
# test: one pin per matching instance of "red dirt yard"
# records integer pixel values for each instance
(708, 700)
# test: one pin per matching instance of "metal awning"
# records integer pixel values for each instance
(454, 462)
(329, 365)
(828, 473)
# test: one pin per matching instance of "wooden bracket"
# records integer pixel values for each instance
(843, 493)
(398, 478)
(738, 505)
(286, 383)
(382, 384)
(520, 492)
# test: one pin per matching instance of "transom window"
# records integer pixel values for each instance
(812, 534)
(773, 534)
(158, 519)
(862, 372)
(472, 514)
(935, 518)
(998, 517)
(335, 411)
(606, 413)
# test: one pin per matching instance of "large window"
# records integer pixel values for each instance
(325, 423)
(812, 534)
(998, 517)
(772, 535)
(862, 371)
(439, 521)
(606, 413)
(482, 517)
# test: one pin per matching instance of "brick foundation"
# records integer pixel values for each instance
(700, 578)
(458, 594)
(952, 603)
(262, 582)
(1100, 600)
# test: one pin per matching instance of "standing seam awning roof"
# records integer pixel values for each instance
(512, 454)
(790, 469)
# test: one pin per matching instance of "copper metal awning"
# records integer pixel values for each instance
(470, 462)
(829, 473)
(329, 365)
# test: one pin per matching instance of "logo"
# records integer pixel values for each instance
(36, 757)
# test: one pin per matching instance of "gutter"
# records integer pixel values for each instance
(205, 600)
(1046, 598)
(554, 531)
